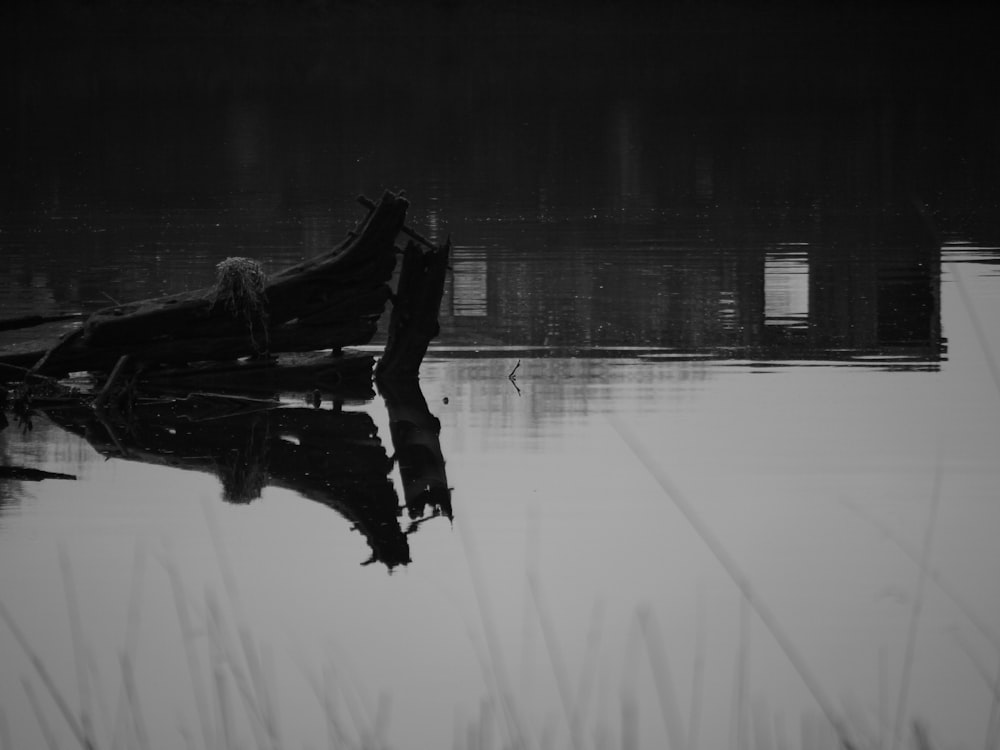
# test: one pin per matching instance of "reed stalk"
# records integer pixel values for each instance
(736, 574)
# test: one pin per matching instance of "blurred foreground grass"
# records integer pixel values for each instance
(237, 701)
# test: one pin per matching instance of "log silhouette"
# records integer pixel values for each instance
(328, 302)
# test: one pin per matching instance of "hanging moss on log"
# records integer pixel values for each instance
(239, 288)
(242, 470)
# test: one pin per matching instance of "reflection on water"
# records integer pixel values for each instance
(817, 479)
(328, 455)
(836, 292)
(468, 297)
(786, 289)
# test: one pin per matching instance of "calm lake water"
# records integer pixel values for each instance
(744, 482)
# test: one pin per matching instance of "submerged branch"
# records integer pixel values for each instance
(24, 474)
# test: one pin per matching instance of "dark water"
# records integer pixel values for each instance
(756, 247)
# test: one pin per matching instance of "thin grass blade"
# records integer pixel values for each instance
(43, 674)
(43, 723)
(742, 582)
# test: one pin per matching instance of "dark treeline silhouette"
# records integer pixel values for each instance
(704, 48)
(112, 100)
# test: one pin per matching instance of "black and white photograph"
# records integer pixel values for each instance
(499, 375)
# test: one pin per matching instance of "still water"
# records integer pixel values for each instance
(742, 486)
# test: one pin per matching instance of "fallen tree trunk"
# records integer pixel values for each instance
(327, 302)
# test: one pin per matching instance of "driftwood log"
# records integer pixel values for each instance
(327, 302)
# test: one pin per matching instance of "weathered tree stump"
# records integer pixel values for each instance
(415, 307)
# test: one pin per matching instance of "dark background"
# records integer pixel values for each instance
(609, 171)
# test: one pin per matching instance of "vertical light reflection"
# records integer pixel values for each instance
(469, 278)
(786, 288)
(728, 313)
(433, 221)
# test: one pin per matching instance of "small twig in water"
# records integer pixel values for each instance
(512, 377)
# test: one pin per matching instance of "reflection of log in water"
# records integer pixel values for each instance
(333, 457)
(346, 377)
(415, 437)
